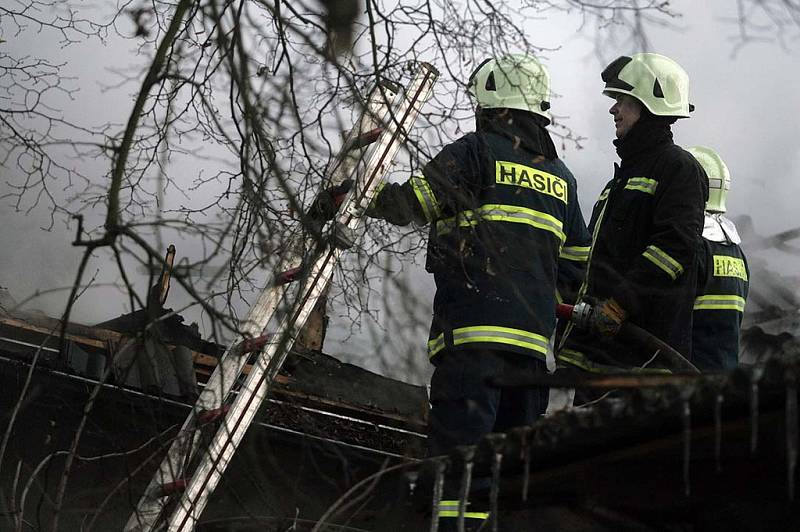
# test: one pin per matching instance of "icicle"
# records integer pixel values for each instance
(718, 431)
(466, 480)
(495, 492)
(412, 476)
(791, 434)
(438, 490)
(755, 376)
(526, 459)
(496, 441)
(687, 445)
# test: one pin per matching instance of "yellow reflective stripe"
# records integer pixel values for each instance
(422, 189)
(658, 257)
(559, 299)
(642, 184)
(435, 345)
(376, 193)
(719, 302)
(585, 283)
(501, 335)
(576, 358)
(576, 253)
(450, 509)
(467, 515)
(508, 173)
(504, 213)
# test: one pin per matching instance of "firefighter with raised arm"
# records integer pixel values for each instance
(646, 224)
(505, 226)
(723, 276)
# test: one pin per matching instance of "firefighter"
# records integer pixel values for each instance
(722, 275)
(505, 227)
(646, 224)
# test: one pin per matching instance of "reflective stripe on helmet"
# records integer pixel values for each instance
(504, 213)
(661, 259)
(719, 302)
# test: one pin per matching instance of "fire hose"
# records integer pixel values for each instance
(581, 316)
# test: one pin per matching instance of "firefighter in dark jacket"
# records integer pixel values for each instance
(646, 224)
(722, 275)
(505, 228)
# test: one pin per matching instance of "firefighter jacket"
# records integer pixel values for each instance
(505, 226)
(722, 286)
(646, 226)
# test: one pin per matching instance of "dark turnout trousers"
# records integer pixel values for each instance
(464, 409)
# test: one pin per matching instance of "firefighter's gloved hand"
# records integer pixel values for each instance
(328, 201)
(608, 317)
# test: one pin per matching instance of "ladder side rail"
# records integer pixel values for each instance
(258, 382)
(232, 362)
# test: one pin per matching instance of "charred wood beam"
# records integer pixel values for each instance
(599, 381)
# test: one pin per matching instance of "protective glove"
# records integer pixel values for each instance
(327, 203)
(608, 317)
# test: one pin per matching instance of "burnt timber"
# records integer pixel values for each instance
(326, 425)
(679, 453)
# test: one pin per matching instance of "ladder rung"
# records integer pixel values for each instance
(210, 416)
(364, 139)
(288, 276)
(171, 488)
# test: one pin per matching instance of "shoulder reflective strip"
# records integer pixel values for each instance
(642, 184)
(658, 257)
(719, 302)
(576, 253)
(501, 335)
(421, 188)
(504, 213)
(604, 194)
(435, 345)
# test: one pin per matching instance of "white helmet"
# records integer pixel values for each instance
(655, 80)
(514, 81)
(719, 178)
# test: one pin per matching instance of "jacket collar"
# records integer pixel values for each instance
(525, 130)
(648, 133)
